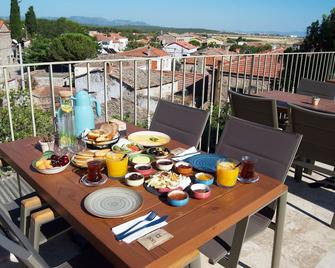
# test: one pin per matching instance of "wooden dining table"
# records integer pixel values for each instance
(191, 225)
(325, 105)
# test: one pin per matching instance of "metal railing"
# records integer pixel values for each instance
(197, 81)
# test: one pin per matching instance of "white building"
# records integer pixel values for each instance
(112, 42)
(179, 49)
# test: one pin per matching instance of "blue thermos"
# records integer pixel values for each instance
(84, 114)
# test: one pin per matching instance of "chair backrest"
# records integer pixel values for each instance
(274, 149)
(181, 123)
(318, 130)
(255, 109)
(316, 88)
(13, 240)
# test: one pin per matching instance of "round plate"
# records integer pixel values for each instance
(204, 162)
(102, 144)
(86, 182)
(149, 138)
(113, 202)
(251, 180)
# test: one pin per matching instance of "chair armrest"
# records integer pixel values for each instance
(27, 206)
(36, 221)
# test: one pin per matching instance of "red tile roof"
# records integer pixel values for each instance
(2, 23)
(145, 52)
(184, 45)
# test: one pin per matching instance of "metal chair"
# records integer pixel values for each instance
(181, 123)
(255, 109)
(318, 143)
(316, 88)
(275, 151)
(13, 241)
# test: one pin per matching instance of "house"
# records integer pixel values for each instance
(159, 58)
(216, 41)
(169, 38)
(179, 49)
(111, 42)
(6, 51)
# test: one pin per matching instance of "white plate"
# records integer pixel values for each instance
(104, 143)
(147, 138)
(50, 171)
(113, 202)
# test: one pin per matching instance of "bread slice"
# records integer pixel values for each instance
(85, 153)
(100, 153)
(93, 135)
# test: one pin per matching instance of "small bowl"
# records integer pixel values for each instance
(159, 152)
(178, 198)
(200, 191)
(144, 169)
(184, 168)
(136, 159)
(134, 179)
(164, 164)
(204, 178)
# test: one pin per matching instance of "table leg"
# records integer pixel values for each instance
(332, 225)
(239, 234)
(19, 184)
(279, 230)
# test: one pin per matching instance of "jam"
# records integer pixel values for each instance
(177, 196)
(135, 177)
(201, 191)
(165, 163)
(143, 168)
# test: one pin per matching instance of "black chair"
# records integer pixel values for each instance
(316, 88)
(12, 240)
(318, 143)
(255, 109)
(181, 123)
(275, 151)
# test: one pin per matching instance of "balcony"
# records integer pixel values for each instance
(129, 89)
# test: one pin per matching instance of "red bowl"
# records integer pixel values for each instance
(144, 169)
(200, 191)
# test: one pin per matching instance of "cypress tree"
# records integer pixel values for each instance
(30, 21)
(15, 20)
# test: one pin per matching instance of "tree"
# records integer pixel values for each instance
(195, 43)
(30, 21)
(72, 46)
(132, 45)
(38, 51)
(15, 21)
(54, 28)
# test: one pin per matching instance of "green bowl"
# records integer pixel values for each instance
(140, 159)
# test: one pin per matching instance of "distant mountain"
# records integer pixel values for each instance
(105, 22)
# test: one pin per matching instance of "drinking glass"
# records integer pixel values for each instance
(117, 166)
(94, 171)
(226, 172)
(248, 167)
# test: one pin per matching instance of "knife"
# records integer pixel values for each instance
(152, 223)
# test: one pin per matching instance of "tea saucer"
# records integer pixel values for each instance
(248, 180)
(86, 182)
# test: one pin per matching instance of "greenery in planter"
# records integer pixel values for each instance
(21, 117)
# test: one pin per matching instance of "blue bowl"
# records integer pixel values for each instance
(177, 198)
(210, 181)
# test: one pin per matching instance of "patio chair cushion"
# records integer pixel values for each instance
(182, 123)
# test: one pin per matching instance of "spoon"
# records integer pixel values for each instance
(150, 217)
(238, 165)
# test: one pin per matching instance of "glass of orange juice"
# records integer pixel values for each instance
(226, 172)
(117, 166)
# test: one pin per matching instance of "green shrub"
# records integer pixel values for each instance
(21, 117)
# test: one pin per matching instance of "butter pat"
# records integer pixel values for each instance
(122, 126)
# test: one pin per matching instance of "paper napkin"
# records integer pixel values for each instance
(186, 154)
(122, 227)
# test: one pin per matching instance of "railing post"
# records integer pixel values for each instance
(52, 88)
(149, 81)
(135, 92)
(106, 91)
(8, 105)
(31, 101)
(121, 90)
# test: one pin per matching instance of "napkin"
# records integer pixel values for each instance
(122, 227)
(186, 154)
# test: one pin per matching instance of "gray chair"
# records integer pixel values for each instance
(181, 123)
(316, 88)
(255, 109)
(318, 143)
(275, 151)
(13, 241)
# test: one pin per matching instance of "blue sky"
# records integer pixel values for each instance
(233, 15)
